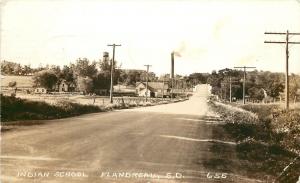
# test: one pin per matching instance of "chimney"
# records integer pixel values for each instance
(172, 65)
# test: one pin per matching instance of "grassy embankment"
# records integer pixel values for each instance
(267, 139)
(16, 109)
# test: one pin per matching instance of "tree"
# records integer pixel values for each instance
(10, 67)
(26, 70)
(273, 83)
(17, 69)
(85, 84)
(84, 68)
(215, 81)
(133, 77)
(294, 85)
(102, 81)
(105, 65)
(55, 69)
(123, 77)
(45, 78)
(256, 93)
(151, 76)
(67, 74)
(197, 78)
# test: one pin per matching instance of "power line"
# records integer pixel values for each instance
(244, 81)
(111, 72)
(287, 42)
(147, 81)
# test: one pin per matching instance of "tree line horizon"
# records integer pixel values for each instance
(89, 76)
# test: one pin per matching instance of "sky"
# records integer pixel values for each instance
(209, 35)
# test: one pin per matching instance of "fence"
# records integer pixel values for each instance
(129, 100)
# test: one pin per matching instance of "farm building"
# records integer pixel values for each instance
(155, 89)
(64, 86)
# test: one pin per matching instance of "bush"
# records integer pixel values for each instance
(12, 84)
(147, 104)
(287, 123)
(271, 159)
(269, 142)
(132, 104)
(284, 125)
(263, 111)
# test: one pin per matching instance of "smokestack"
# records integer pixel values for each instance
(172, 65)
(105, 56)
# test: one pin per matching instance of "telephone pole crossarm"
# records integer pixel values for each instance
(282, 33)
(114, 45)
(281, 42)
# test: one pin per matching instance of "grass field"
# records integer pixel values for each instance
(22, 81)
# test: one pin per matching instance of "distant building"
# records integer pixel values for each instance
(155, 89)
(40, 90)
(64, 86)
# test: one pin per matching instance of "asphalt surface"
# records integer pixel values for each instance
(165, 143)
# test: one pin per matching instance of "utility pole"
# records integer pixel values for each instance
(111, 72)
(287, 42)
(163, 89)
(230, 90)
(172, 74)
(244, 81)
(230, 87)
(147, 80)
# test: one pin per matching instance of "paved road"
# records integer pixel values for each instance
(166, 143)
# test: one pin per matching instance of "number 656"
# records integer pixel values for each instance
(216, 175)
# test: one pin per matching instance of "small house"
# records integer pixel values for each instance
(40, 90)
(64, 86)
(155, 89)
